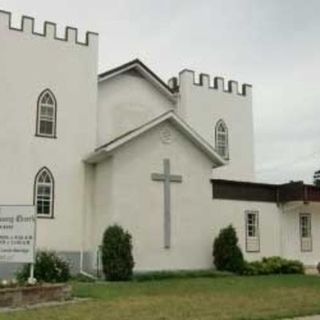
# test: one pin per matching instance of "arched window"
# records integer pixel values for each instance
(43, 193)
(221, 139)
(46, 115)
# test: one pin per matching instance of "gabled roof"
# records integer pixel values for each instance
(142, 69)
(106, 150)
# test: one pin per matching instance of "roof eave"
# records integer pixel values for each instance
(145, 71)
(180, 125)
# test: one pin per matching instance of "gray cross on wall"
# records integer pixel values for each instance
(167, 179)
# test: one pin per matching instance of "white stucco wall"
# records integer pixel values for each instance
(233, 212)
(137, 204)
(104, 198)
(202, 107)
(125, 102)
(291, 241)
(29, 64)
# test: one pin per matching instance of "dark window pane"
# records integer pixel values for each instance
(46, 127)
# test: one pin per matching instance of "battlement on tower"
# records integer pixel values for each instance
(27, 25)
(187, 76)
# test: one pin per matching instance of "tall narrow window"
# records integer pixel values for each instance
(43, 193)
(305, 232)
(46, 115)
(252, 231)
(221, 139)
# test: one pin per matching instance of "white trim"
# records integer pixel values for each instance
(170, 116)
(305, 242)
(252, 241)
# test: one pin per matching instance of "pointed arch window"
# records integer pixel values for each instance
(221, 139)
(46, 115)
(43, 193)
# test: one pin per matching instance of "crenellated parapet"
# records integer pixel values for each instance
(204, 80)
(49, 29)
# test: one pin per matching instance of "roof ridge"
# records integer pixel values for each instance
(132, 63)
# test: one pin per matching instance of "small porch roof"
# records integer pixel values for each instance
(264, 192)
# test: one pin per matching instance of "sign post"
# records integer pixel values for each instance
(31, 279)
(18, 235)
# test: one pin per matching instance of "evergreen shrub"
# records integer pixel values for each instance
(117, 259)
(227, 256)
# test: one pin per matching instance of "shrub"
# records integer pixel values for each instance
(48, 267)
(178, 274)
(273, 265)
(249, 269)
(292, 266)
(117, 259)
(226, 252)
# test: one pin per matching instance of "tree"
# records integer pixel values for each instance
(227, 255)
(117, 259)
(316, 178)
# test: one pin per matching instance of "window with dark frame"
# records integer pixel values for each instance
(44, 188)
(46, 118)
(305, 232)
(252, 231)
(221, 139)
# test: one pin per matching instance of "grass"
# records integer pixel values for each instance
(263, 297)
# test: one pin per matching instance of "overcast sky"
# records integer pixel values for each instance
(272, 44)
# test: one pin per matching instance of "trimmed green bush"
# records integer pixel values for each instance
(117, 259)
(178, 274)
(273, 265)
(227, 256)
(48, 267)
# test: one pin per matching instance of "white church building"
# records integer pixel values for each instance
(171, 163)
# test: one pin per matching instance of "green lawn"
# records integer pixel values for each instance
(264, 297)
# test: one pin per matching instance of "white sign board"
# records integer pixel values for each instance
(17, 234)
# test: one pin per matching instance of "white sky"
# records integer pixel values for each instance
(272, 44)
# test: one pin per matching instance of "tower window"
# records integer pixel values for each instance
(221, 139)
(46, 115)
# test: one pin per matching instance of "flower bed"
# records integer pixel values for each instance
(29, 295)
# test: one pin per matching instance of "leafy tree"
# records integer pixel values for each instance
(316, 178)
